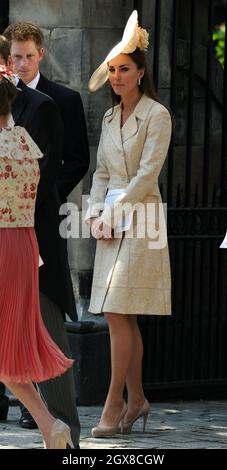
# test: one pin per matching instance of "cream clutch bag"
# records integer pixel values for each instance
(126, 221)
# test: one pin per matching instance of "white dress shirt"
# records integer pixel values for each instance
(33, 84)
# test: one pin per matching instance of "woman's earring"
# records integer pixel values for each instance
(139, 81)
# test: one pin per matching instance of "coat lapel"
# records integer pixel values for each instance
(130, 128)
(120, 135)
(42, 84)
(19, 103)
(114, 127)
(139, 114)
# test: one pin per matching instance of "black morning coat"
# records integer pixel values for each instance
(75, 153)
(40, 116)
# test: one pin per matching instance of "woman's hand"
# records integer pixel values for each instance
(99, 230)
(95, 225)
(107, 232)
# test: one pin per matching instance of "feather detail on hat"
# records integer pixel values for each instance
(143, 42)
(139, 39)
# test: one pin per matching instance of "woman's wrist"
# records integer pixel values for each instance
(91, 220)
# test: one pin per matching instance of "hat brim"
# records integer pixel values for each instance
(100, 76)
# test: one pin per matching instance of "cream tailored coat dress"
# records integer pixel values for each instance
(130, 276)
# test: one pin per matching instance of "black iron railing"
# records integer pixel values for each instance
(188, 351)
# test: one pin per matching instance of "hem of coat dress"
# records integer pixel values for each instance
(100, 303)
(130, 313)
(111, 309)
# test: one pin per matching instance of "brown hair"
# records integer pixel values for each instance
(4, 48)
(24, 31)
(8, 93)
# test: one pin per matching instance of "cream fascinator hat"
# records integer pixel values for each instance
(133, 37)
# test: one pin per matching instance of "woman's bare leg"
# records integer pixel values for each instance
(121, 352)
(134, 374)
(30, 398)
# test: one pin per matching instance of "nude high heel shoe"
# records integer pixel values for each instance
(60, 436)
(143, 412)
(109, 431)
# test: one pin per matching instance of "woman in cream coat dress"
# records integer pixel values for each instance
(131, 276)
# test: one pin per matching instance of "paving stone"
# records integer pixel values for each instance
(178, 425)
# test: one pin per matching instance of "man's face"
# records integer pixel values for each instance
(24, 59)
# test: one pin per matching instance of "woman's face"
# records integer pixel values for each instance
(124, 74)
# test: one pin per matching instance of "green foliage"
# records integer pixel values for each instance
(219, 43)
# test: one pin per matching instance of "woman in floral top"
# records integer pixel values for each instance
(27, 352)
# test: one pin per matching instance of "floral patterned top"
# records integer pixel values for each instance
(19, 177)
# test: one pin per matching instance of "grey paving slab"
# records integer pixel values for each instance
(178, 425)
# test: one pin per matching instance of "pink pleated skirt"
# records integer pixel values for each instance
(27, 351)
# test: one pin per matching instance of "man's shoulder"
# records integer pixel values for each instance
(55, 90)
(37, 95)
(36, 102)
